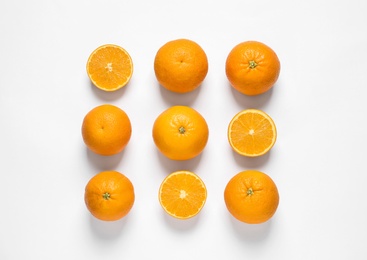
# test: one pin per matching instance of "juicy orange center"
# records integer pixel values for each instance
(109, 67)
(252, 134)
(183, 194)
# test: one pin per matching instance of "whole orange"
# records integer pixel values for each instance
(180, 65)
(180, 133)
(251, 196)
(106, 129)
(252, 68)
(109, 195)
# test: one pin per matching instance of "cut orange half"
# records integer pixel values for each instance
(252, 133)
(110, 67)
(182, 194)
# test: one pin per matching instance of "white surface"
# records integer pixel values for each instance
(319, 106)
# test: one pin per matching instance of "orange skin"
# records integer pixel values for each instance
(251, 197)
(109, 195)
(180, 65)
(180, 133)
(252, 68)
(106, 130)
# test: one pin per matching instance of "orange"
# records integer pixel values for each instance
(109, 195)
(180, 133)
(180, 65)
(251, 196)
(106, 129)
(110, 67)
(182, 194)
(252, 133)
(252, 68)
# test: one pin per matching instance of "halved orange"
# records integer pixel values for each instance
(110, 67)
(252, 133)
(182, 194)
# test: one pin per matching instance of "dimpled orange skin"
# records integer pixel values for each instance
(180, 133)
(251, 196)
(109, 195)
(252, 68)
(180, 65)
(106, 130)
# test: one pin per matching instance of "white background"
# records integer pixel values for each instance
(318, 104)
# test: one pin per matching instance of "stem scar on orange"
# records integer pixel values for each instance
(252, 133)
(252, 68)
(106, 129)
(180, 133)
(109, 195)
(182, 194)
(251, 196)
(109, 67)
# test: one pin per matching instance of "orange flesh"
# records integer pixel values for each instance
(110, 67)
(252, 134)
(182, 194)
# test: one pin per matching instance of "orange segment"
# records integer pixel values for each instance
(182, 194)
(252, 133)
(110, 67)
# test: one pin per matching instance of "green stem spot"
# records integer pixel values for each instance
(250, 192)
(182, 130)
(252, 64)
(106, 196)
